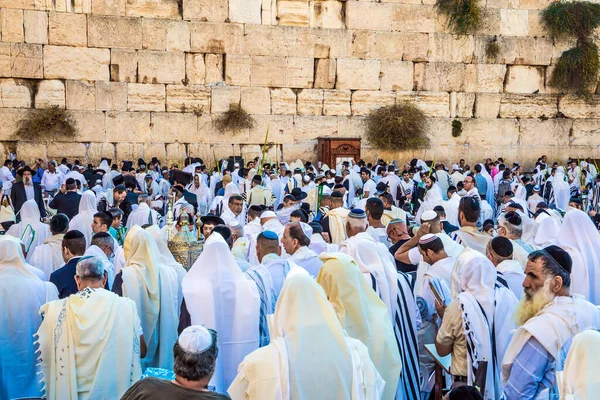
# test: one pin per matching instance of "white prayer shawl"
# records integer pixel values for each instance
(560, 186)
(277, 187)
(553, 326)
(142, 215)
(337, 224)
(289, 369)
(441, 271)
(317, 244)
(229, 217)
(22, 293)
(580, 379)
(30, 215)
(283, 215)
(520, 254)
(272, 225)
(109, 268)
(153, 287)
(74, 369)
(48, 256)
(393, 213)
(202, 193)
(252, 228)
(433, 198)
(307, 259)
(451, 208)
(512, 271)
(547, 232)
(579, 237)
(529, 227)
(154, 191)
(219, 296)
(473, 239)
(83, 220)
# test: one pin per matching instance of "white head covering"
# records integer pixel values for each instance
(30, 215)
(195, 339)
(230, 190)
(104, 166)
(475, 274)
(83, 220)
(560, 181)
(581, 376)
(547, 232)
(12, 261)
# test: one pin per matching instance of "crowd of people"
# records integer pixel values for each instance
(314, 282)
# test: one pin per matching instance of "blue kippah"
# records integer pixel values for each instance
(270, 235)
(221, 192)
(357, 213)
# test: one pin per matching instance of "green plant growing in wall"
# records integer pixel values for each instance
(577, 68)
(464, 16)
(235, 119)
(398, 127)
(456, 128)
(492, 49)
(47, 124)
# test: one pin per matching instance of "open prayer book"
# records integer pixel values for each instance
(28, 237)
(443, 362)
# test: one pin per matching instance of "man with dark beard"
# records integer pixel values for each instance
(549, 316)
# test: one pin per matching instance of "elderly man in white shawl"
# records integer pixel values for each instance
(48, 256)
(72, 368)
(549, 317)
(22, 293)
(476, 326)
(154, 287)
(433, 197)
(295, 241)
(82, 222)
(31, 230)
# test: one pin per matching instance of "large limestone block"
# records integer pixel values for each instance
(416, 47)
(175, 153)
(486, 78)
(206, 10)
(14, 94)
(30, 151)
(175, 127)
(433, 104)
(158, 150)
(214, 68)
(178, 36)
(514, 22)
(97, 151)
(337, 102)
(283, 101)
(281, 128)
(153, 8)
(305, 128)
(369, 15)
(414, 18)
(25, 61)
(145, 97)
(124, 65)
(524, 79)
(245, 11)
(326, 14)
(128, 127)
(364, 101)
(109, 7)
(481, 132)
(195, 68)
(91, 127)
(310, 102)
(487, 105)
(268, 71)
(334, 43)
(299, 72)
(238, 70)
(66, 29)
(62, 62)
(573, 106)
(223, 97)
(128, 151)
(293, 12)
(217, 38)
(462, 104)
(256, 100)
(11, 25)
(161, 66)
(278, 41)
(111, 96)
(50, 93)
(528, 106)
(442, 77)
(80, 95)
(586, 133)
(524, 50)
(452, 48)
(396, 75)
(119, 32)
(154, 33)
(192, 98)
(535, 25)
(555, 131)
(36, 26)
(325, 73)
(10, 118)
(358, 74)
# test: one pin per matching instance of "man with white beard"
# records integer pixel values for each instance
(549, 317)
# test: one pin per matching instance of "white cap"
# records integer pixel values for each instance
(234, 223)
(307, 229)
(427, 238)
(195, 339)
(268, 214)
(306, 178)
(455, 167)
(428, 216)
(236, 165)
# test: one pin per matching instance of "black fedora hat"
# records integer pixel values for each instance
(212, 219)
(24, 169)
(298, 194)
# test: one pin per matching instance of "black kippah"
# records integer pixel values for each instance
(561, 257)
(502, 246)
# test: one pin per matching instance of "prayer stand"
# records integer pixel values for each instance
(333, 151)
(184, 247)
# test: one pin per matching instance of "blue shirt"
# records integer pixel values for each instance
(37, 177)
(481, 183)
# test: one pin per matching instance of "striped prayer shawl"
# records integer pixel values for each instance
(405, 331)
(264, 306)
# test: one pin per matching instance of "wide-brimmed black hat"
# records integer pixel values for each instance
(25, 168)
(212, 219)
(298, 194)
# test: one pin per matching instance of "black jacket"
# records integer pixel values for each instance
(18, 197)
(64, 278)
(449, 228)
(67, 203)
(125, 206)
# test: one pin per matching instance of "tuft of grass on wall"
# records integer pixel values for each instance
(47, 124)
(464, 16)
(492, 49)
(577, 68)
(235, 119)
(456, 128)
(576, 19)
(397, 127)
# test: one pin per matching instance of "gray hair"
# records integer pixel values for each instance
(102, 241)
(512, 229)
(90, 268)
(195, 367)
(358, 223)
(237, 230)
(143, 198)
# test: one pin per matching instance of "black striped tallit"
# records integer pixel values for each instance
(263, 327)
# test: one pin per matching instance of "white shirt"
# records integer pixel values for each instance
(370, 187)
(29, 192)
(63, 169)
(6, 177)
(51, 181)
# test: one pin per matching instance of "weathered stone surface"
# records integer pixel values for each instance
(178, 36)
(36, 26)
(217, 38)
(326, 14)
(30, 151)
(145, 97)
(363, 101)
(524, 79)
(25, 61)
(283, 101)
(175, 153)
(152, 8)
(535, 26)
(62, 62)
(464, 104)
(268, 71)
(174, 127)
(111, 96)
(577, 107)
(414, 18)
(477, 132)
(310, 102)
(396, 75)
(97, 151)
(245, 11)
(487, 105)
(195, 68)
(128, 127)
(206, 10)
(306, 126)
(11, 25)
(161, 66)
(119, 32)
(109, 7)
(192, 98)
(154, 33)
(67, 29)
(442, 77)
(553, 131)
(256, 100)
(452, 48)
(128, 151)
(223, 97)
(358, 74)
(586, 133)
(299, 72)
(5, 60)
(214, 68)
(431, 103)
(325, 73)
(487, 78)
(336, 102)
(91, 127)
(50, 93)
(238, 70)
(514, 22)
(369, 15)
(124, 65)
(528, 106)
(293, 12)
(14, 95)
(80, 95)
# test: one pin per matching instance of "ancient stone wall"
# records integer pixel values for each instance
(146, 78)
